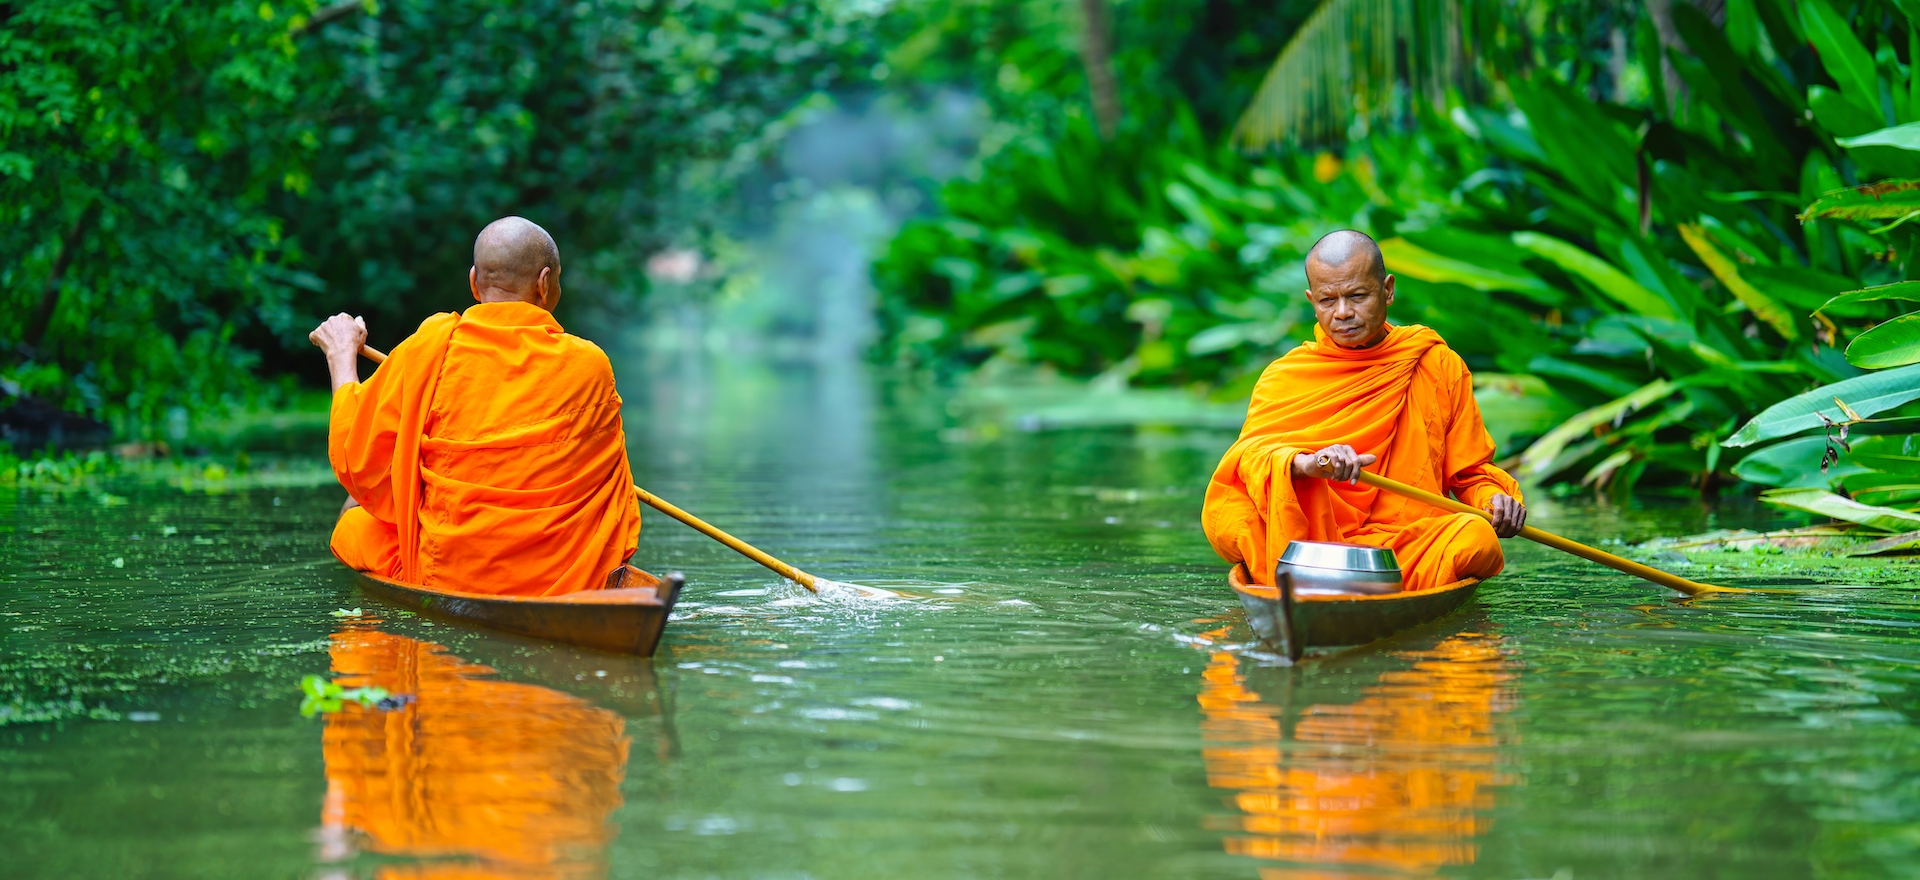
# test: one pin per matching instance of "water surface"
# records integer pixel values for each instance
(1063, 689)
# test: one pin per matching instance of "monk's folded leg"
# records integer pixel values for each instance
(367, 544)
(1440, 550)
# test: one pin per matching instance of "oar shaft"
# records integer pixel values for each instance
(738, 546)
(699, 525)
(1645, 572)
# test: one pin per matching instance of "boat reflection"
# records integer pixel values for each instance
(1394, 784)
(475, 778)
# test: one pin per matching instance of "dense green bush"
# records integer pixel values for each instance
(142, 141)
(186, 187)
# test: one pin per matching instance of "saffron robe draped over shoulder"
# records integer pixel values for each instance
(1407, 399)
(487, 455)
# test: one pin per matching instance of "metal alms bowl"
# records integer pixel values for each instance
(1324, 568)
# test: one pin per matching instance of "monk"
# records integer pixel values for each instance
(1362, 393)
(486, 455)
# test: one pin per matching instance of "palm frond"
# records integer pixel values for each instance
(1347, 60)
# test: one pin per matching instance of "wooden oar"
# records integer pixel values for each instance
(1647, 572)
(702, 526)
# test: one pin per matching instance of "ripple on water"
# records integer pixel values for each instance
(1044, 693)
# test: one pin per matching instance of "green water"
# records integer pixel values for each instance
(1065, 688)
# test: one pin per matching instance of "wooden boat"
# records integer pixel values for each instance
(1292, 623)
(628, 616)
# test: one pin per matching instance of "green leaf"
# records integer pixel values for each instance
(1867, 395)
(1794, 464)
(1905, 291)
(1841, 53)
(1743, 26)
(1594, 377)
(1886, 490)
(1616, 285)
(1895, 343)
(1905, 137)
(1406, 258)
(1834, 113)
(1888, 453)
(1887, 200)
(1826, 503)
(1550, 444)
(1518, 405)
(1797, 287)
(1763, 307)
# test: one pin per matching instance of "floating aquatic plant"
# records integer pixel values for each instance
(323, 696)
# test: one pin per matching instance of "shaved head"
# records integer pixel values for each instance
(1349, 288)
(1336, 249)
(511, 257)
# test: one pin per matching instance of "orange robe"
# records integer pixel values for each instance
(1407, 399)
(487, 456)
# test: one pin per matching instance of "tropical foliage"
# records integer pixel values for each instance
(1633, 258)
(186, 186)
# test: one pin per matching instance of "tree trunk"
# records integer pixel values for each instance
(1096, 51)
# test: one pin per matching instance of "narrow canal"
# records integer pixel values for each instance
(1063, 689)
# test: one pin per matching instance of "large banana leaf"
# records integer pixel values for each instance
(1763, 307)
(1906, 291)
(1895, 343)
(1406, 258)
(1866, 395)
(1887, 200)
(1888, 453)
(1625, 291)
(1885, 490)
(1825, 503)
(1905, 137)
(1794, 464)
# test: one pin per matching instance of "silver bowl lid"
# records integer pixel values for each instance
(1340, 557)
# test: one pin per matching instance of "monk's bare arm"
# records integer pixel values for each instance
(340, 338)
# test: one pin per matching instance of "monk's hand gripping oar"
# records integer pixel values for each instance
(1645, 572)
(743, 548)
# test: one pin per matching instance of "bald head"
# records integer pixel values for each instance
(1336, 250)
(514, 259)
(1349, 288)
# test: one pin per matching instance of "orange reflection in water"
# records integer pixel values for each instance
(1391, 785)
(476, 778)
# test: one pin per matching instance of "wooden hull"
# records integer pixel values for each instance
(626, 618)
(1331, 621)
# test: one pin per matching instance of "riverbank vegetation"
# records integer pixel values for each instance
(1672, 239)
(1652, 223)
(186, 188)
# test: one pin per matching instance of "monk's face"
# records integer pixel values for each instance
(1349, 302)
